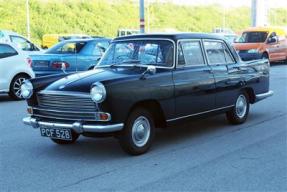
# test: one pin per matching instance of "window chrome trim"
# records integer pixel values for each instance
(202, 51)
(200, 113)
(148, 38)
(221, 41)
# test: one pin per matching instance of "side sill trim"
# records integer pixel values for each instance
(195, 114)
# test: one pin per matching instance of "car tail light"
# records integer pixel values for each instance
(58, 64)
(29, 62)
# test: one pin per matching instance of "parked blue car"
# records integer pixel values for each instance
(74, 55)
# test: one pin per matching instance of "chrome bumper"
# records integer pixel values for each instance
(78, 127)
(263, 95)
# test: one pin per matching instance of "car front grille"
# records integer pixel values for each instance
(65, 106)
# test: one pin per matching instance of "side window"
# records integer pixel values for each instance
(191, 53)
(23, 44)
(7, 51)
(217, 53)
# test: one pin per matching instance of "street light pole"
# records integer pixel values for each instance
(28, 19)
(142, 21)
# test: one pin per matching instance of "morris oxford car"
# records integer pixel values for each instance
(144, 82)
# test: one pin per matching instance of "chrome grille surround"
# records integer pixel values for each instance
(65, 106)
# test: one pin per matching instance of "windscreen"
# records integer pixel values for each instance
(143, 52)
(253, 37)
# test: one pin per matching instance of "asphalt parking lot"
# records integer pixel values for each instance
(203, 155)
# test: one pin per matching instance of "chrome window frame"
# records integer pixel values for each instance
(202, 51)
(141, 39)
(224, 43)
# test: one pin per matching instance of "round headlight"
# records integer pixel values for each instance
(26, 89)
(98, 92)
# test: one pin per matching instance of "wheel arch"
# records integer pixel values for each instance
(154, 107)
(18, 74)
(251, 94)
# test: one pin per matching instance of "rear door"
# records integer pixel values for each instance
(193, 79)
(226, 70)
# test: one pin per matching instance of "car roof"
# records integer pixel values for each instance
(171, 36)
(8, 32)
(14, 45)
(87, 40)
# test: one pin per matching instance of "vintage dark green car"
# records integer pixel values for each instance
(144, 82)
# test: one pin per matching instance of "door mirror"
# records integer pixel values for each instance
(272, 40)
(151, 69)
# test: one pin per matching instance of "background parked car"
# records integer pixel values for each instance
(229, 37)
(48, 40)
(75, 55)
(263, 42)
(15, 68)
(21, 41)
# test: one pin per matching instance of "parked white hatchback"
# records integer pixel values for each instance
(22, 43)
(15, 68)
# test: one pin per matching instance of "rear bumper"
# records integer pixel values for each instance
(262, 96)
(78, 127)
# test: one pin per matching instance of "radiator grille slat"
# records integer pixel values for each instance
(70, 107)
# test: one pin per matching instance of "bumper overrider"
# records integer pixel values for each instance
(76, 126)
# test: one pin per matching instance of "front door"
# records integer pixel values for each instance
(193, 79)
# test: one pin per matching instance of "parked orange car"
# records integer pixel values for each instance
(263, 42)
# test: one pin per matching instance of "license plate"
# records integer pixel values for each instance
(63, 134)
(41, 63)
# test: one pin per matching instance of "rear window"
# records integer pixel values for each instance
(7, 51)
(67, 48)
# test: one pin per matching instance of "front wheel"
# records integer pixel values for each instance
(238, 114)
(138, 133)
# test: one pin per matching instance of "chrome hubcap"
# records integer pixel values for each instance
(241, 106)
(141, 131)
(17, 87)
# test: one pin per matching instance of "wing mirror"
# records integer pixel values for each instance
(150, 70)
(272, 40)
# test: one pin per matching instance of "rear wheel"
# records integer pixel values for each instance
(138, 133)
(238, 114)
(15, 86)
(75, 137)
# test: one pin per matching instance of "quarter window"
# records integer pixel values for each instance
(190, 53)
(217, 53)
(7, 51)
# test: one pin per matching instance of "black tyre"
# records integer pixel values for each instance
(15, 86)
(75, 137)
(138, 133)
(238, 114)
